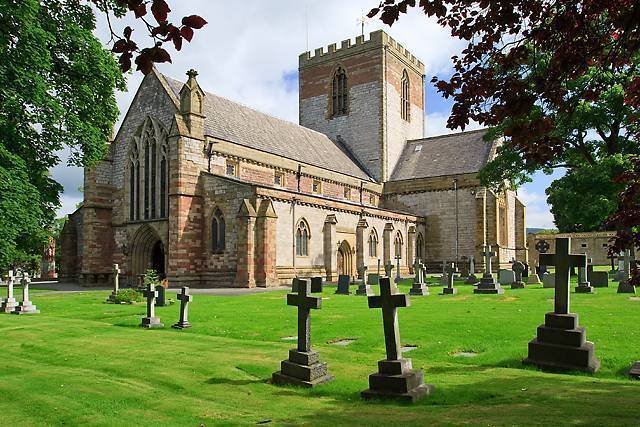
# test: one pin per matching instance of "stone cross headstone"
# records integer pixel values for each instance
(185, 298)
(518, 270)
(488, 284)
(560, 343)
(395, 378)
(151, 321)
(584, 287)
(388, 268)
(363, 287)
(303, 366)
(449, 289)
(9, 303)
(25, 306)
(398, 278)
(344, 280)
(418, 287)
(116, 284)
(625, 286)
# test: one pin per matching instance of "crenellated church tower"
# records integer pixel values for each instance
(368, 96)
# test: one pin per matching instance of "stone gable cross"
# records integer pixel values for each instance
(563, 260)
(305, 303)
(389, 304)
(488, 253)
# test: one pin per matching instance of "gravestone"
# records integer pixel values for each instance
(449, 289)
(584, 287)
(464, 268)
(418, 287)
(612, 257)
(395, 378)
(560, 343)
(506, 277)
(294, 284)
(542, 247)
(373, 279)
(549, 280)
(344, 280)
(533, 279)
(185, 298)
(388, 268)
(443, 278)
(634, 372)
(25, 306)
(363, 286)
(151, 321)
(161, 300)
(317, 283)
(525, 273)
(488, 284)
(620, 274)
(518, 271)
(303, 367)
(398, 278)
(9, 303)
(625, 286)
(598, 279)
(116, 285)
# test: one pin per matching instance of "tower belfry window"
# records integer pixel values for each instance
(339, 93)
(406, 97)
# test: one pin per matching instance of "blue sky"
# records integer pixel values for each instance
(249, 53)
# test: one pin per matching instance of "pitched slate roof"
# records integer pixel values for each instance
(236, 123)
(453, 154)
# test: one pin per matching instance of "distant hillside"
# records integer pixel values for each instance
(538, 230)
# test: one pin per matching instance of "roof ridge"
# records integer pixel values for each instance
(446, 135)
(289, 122)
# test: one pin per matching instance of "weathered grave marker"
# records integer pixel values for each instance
(395, 378)
(151, 321)
(449, 289)
(584, 287)
(549, 280)
(418, 287)
(25, 306)
(560, 343)
(363, 287)
(116, 284)
(598, 279)
(303, 367)
(9, 303)
(344, 280)
(388, 268)
(625, 286)
(518, 271)
(506, 277)
(185, 298)
(317, 283)
(487, 283)
(398, 278)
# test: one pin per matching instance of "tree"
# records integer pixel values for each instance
(58, 91)
(533, 70)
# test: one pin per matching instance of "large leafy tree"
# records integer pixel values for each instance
(545, 75)
(57, 91)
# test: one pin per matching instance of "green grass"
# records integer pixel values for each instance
(84, 362)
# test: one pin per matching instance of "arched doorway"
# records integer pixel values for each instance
(345, 259)
(147, 251)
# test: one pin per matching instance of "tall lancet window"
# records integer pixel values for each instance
(148, 175)
(339, 93)
(218, 232)
(406, 97)
(397, 243)
(302, 239)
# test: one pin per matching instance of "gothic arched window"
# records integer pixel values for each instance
(218, 232)
(406, 97)
(420, 246)
(302, 239)
(339, 93)
(373, 244)
(149, 153)
(397, 244)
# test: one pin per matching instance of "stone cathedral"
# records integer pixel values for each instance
(211, 193)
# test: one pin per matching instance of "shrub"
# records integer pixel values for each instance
(128, 296)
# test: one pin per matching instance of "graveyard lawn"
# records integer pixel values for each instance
(85, 362)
